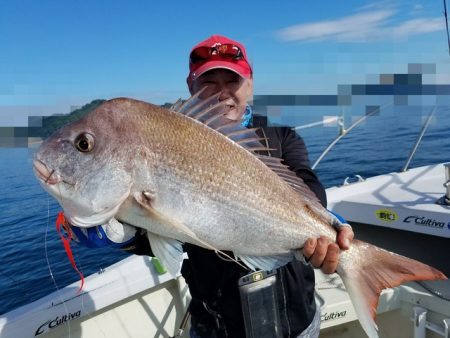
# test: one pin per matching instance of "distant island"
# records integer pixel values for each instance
(24, 136)
(52, 123)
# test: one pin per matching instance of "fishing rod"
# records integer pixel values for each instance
(446, 25)
(330, 119)
(419, 139)
(343, 132)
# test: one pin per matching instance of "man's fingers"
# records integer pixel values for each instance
(309, 247)
(324, 254)
(344, 237)
(331, 259)
(320, 252)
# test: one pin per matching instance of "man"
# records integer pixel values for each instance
(221, 65)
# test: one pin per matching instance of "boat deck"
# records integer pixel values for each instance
(405, 201)
(397, 313)
(130, 299)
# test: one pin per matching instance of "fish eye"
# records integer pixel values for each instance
(84, 143)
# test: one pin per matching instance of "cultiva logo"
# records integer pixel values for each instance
(332, 315)
(50, 324)
(422, 220)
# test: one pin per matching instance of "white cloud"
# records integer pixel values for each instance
(362, 27)
(382, 4)
(417, 9)
(417, 27)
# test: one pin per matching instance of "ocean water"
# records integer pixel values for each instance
(31, 250)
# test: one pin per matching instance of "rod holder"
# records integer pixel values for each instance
(447, 183)
(420, 321)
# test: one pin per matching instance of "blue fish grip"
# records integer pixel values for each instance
(339, 217)
(95, 237)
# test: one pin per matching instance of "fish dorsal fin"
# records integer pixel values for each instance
(211, 111)
(176, 105)
(282, 170)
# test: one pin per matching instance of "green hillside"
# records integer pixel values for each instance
(52, 123)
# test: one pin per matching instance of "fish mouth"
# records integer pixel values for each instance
(45, 174)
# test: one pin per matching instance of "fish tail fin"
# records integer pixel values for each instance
(366, 270)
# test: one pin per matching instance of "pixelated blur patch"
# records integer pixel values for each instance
(13, 137)
(422, 68)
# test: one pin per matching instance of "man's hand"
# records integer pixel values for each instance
(324, 254)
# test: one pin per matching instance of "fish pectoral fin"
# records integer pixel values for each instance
(168, 250)
(146, 203)
(145, 199)
(266, 263)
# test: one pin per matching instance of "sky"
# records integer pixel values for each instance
(57, 55)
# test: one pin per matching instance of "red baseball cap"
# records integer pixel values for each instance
(218, 51)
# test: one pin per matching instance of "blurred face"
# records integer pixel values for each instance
(234, 89)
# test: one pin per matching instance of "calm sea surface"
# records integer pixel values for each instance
(28, 239)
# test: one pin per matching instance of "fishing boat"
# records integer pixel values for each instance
(408, 213)
(405, 212)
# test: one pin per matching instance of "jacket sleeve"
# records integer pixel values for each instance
(140, 246)
(295, 155)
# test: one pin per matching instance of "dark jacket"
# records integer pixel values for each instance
(213, 281)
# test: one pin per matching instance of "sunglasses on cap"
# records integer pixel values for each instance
(224, 51)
